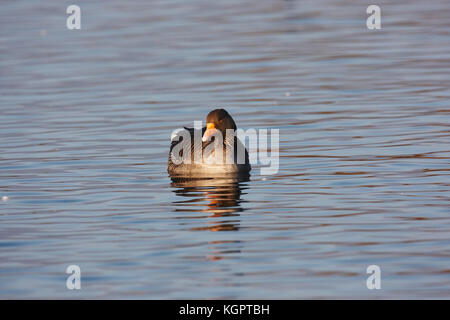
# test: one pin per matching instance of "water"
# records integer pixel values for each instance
(85, 121)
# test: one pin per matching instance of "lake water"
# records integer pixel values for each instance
(85, 122)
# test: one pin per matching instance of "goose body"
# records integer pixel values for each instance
(203, 158)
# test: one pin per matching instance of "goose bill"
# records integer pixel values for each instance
(210, 130)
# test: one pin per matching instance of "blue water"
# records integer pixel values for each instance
(85, 122)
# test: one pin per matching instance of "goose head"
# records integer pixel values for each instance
(218, 120)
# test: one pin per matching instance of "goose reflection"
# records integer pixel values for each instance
(219, 198)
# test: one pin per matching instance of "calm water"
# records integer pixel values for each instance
(85, 123)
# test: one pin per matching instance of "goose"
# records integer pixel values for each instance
(203, 161)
